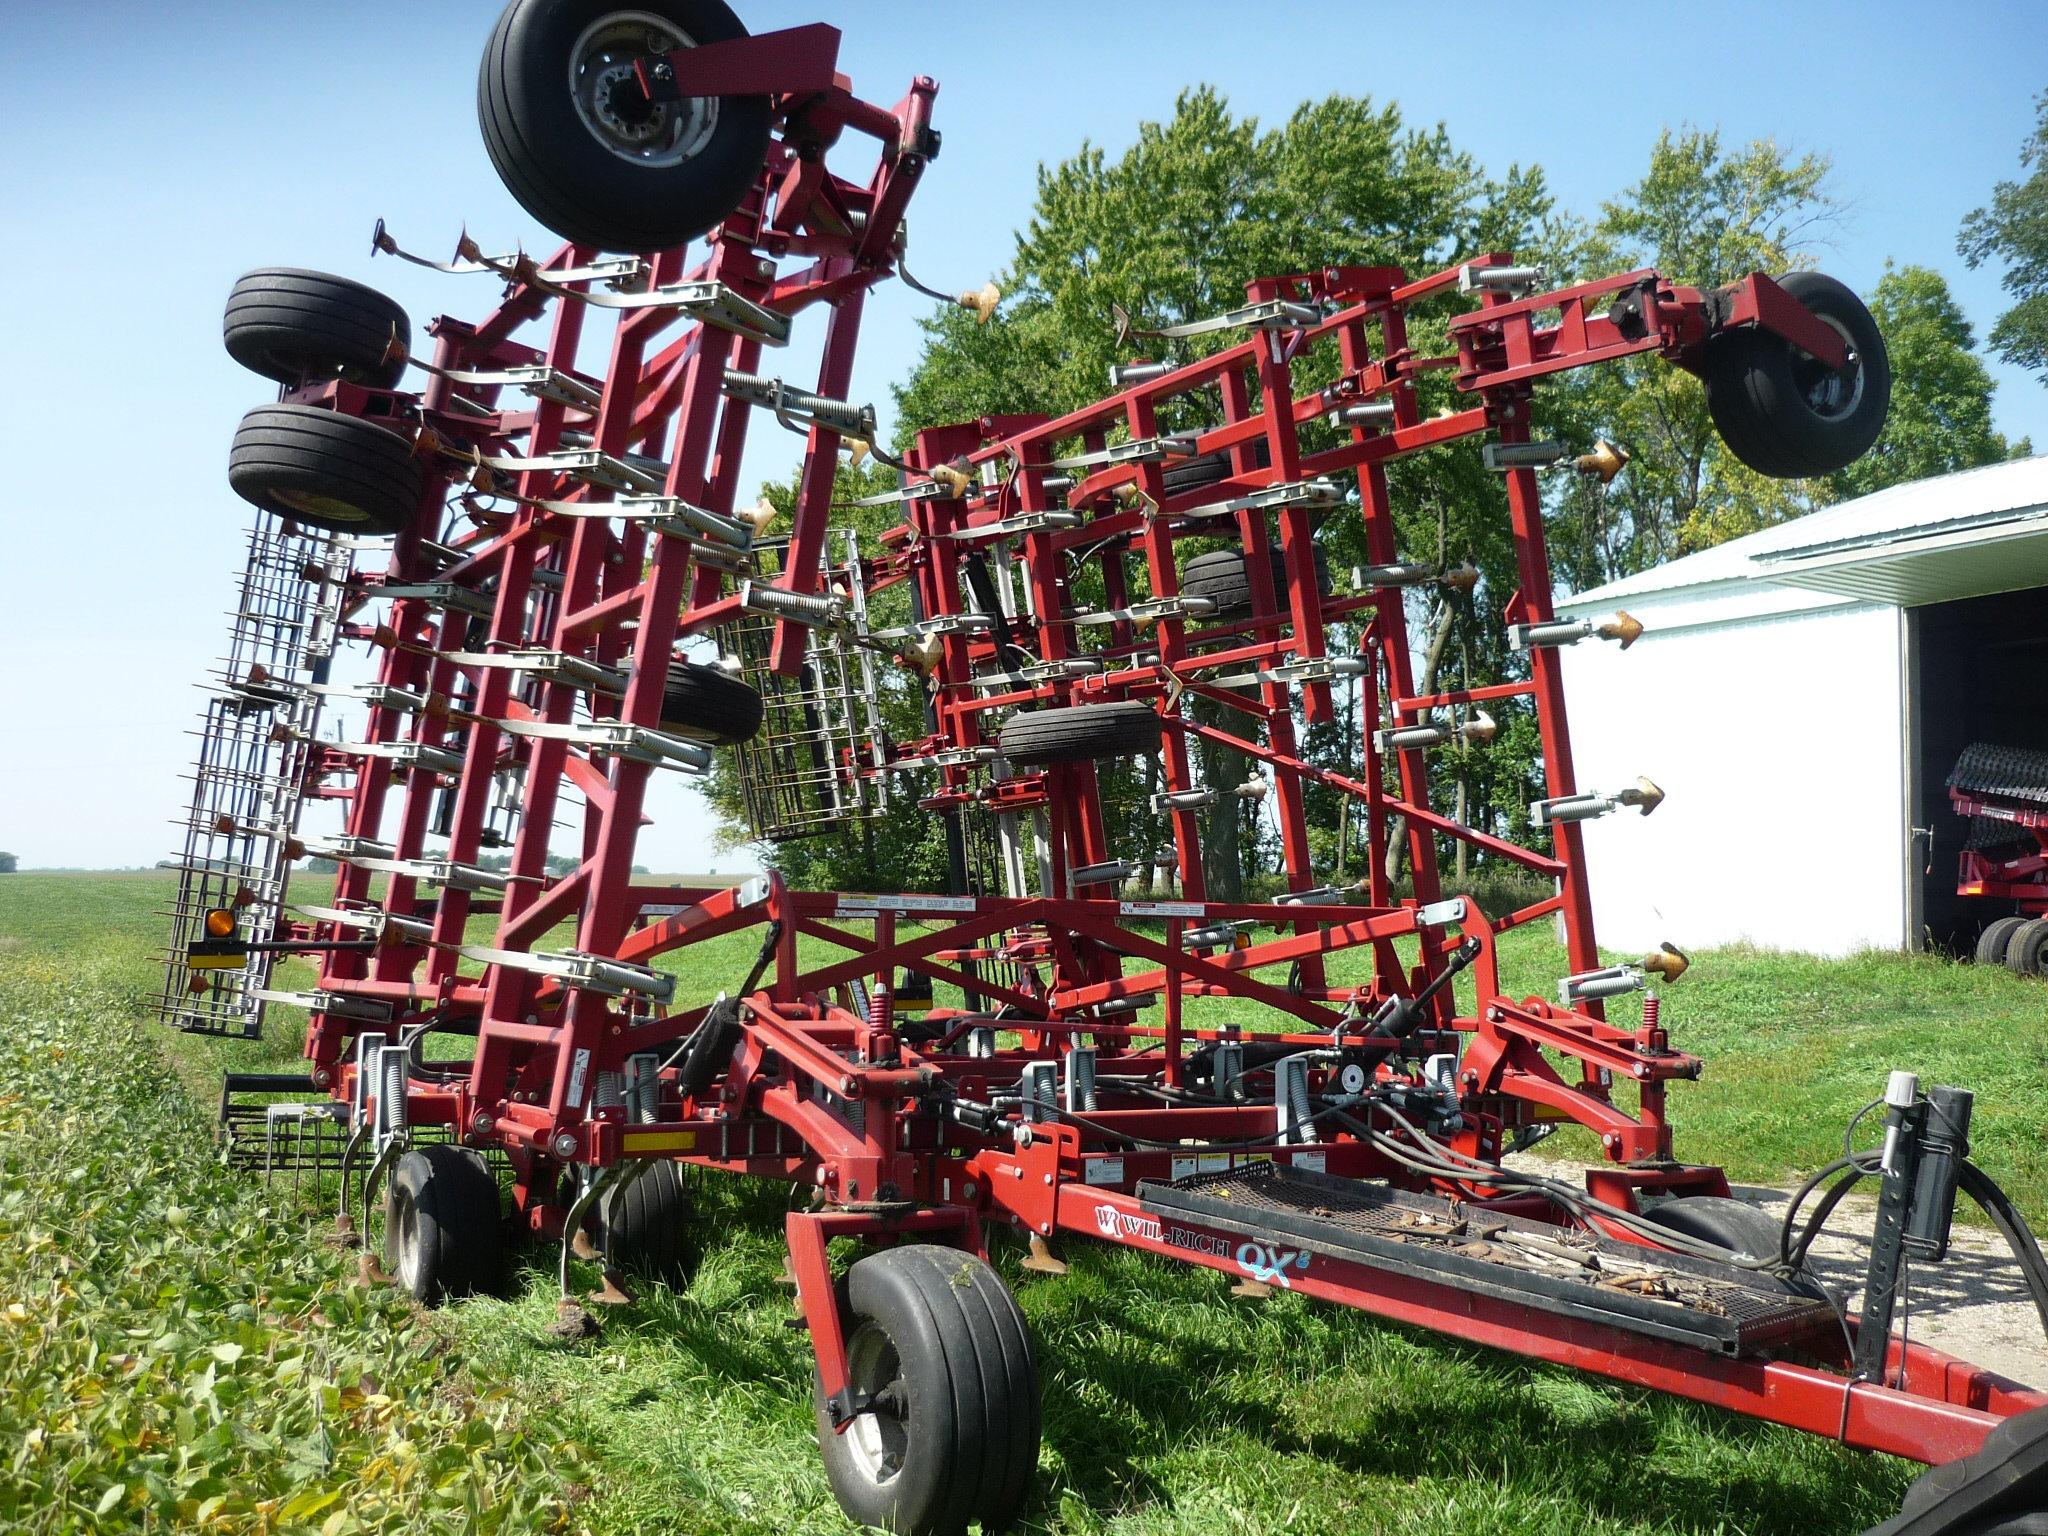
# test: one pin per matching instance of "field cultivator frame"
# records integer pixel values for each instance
(579, 532)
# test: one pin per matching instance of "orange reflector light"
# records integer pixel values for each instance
(220, 923)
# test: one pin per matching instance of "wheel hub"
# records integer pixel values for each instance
(613, 106)
(1829, 392)
(624, 107)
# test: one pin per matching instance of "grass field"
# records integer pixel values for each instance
(220, 1369)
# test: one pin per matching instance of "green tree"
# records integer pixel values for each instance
(8, 863)
(1941, 391)
(1705, 215)
(2013, 229)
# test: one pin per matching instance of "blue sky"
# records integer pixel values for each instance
(156, 151)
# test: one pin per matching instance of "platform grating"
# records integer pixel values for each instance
(1549, 1268)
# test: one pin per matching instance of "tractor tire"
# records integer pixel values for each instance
(1224, 577)
(1992, 942)
(936, 1343)
(1784, 414)
(2026, 952)
(1726, 1222)
(579, 146)
(1080, 733)
(443, 1224)
(646, 1230)
(299, 327)
(703, 702)
(326, 470)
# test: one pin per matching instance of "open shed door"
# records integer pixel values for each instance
(1978, 671)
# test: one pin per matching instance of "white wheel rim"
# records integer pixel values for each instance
(609, 100)
(405, 1220)
(877, 1442)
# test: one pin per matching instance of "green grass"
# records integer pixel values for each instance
(1170, 1406)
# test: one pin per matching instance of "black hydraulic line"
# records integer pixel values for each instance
(1978, 1185)
(1146, 1143)
(1974, 1182)
(708, 1048)
(1824, 1209)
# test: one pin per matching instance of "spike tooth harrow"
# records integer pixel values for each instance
(576, 529)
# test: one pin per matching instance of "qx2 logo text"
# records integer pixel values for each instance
(1269, 1265)
(1261, 1261)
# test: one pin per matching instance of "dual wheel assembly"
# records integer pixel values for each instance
(323, 468)
(939, 1427)
(2020, 944)
(317, 467)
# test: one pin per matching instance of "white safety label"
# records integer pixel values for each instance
(868, 906)
(1102, 1170)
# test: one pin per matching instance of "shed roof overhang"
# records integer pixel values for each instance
(2000, 551)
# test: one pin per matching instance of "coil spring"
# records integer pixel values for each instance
(394, 1075)
(643, 1087)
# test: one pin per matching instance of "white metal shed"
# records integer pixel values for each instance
(1801, 694)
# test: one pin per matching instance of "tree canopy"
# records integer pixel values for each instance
(1941, 395)
(2013, 229)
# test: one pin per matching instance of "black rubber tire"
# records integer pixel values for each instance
(950, 1339)
(1720, 1219)
(443, 1224)
(1762, 391)
(325, 470)
(703, 702)
(1206, 469)
(1224, 577)
(563, 174)
(1999, 1490)
(1992, 942)
(1730, 361)
(301, 327)
(648, 1230)
(2026, 952)
(1080, 733)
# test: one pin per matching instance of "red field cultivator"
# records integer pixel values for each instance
(2004, 793)
(1141, 578)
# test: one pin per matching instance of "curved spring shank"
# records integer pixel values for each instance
(356, 1139)
(621, 1174)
